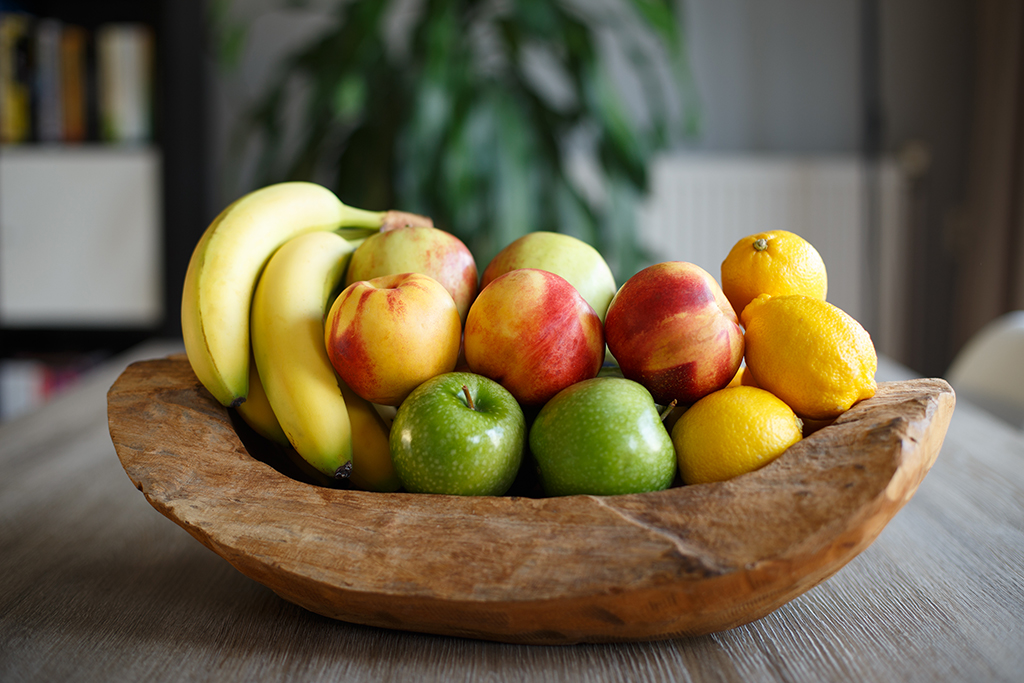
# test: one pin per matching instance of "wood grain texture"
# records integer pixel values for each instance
(98, 587)
(687, 561)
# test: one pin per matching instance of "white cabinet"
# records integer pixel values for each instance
(80, 237)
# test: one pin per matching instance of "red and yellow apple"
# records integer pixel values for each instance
(532, 332)
(418, 249)
(572, 258)
(388, 335)
(671, 329)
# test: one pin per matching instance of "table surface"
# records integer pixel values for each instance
(95, 585)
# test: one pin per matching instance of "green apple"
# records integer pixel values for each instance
(458, 433)
(602, 436)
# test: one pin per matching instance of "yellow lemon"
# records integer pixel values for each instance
(809, 353)
(743, 377)
(776, 262)
(732, 431)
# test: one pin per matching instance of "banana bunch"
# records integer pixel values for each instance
(257, 287)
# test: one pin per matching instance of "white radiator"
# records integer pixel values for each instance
(701, 205)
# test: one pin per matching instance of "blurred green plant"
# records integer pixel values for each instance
(495, 118)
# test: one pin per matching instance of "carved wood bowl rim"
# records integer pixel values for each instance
(682, 562)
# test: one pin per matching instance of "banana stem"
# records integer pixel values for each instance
(381, 220)
(361, 218)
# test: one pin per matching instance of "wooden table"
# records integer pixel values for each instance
(95, 585)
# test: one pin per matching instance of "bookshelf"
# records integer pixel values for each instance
(96, 226)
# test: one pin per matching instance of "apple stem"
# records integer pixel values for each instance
(469, 399)
(668, 409)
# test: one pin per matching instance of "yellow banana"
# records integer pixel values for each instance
(288, 345)
(227, 261)
(256, 410)
(372, 469)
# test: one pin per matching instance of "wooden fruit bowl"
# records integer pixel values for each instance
(686, 561)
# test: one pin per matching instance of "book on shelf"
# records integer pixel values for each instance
(125, 63)
(74, 80)
(15, 78)
(63, 83)
(49, 110)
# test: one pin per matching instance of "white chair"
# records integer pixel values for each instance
(989, 370)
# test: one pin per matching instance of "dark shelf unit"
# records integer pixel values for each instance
(179, 131)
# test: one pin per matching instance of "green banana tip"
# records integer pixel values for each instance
(344, 472)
